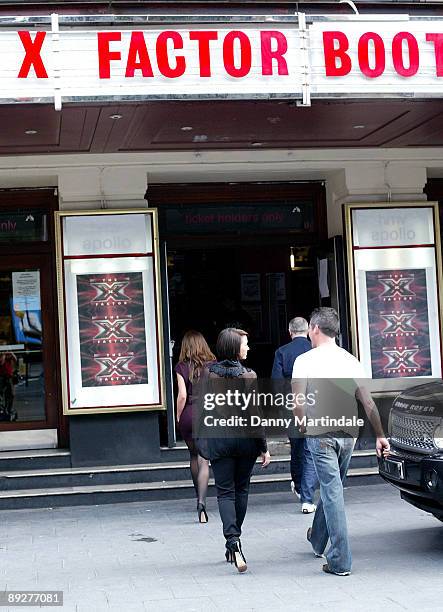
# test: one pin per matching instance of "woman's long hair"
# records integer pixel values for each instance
(196, 352)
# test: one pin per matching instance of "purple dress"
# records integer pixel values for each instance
(185, 422)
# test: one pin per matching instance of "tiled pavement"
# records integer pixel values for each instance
(156, 557)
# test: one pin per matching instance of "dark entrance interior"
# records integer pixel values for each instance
(243, 254)
(247, 286)
(229, 253)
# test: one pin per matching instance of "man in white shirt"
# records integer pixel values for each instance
(312, 373)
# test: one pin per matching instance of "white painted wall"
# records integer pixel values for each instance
(120, 180)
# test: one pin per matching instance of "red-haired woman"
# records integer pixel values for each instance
(195, 355)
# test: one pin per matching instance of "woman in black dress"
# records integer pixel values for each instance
(233, 459)
(195, 355)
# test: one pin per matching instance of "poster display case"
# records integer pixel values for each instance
(394, 268)
(109, 311)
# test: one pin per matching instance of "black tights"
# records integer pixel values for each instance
(199, 472)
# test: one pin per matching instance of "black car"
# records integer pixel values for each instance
(415, 463)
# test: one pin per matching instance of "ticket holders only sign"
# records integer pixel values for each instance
(393, 56)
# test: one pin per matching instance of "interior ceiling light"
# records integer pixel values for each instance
(115, 117)
(358, 127)
(256, 144)
(30, 132)
(186, 128)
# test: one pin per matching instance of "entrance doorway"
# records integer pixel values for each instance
(227, 250)
(28, 347)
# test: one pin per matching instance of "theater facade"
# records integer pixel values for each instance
(178, 166)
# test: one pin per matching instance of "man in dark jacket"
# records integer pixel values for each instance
(304, 478)
(288, 353)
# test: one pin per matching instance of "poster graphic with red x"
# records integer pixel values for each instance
(398, 323)
(112, 329)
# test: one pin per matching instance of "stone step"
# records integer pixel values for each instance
(35, 459)
(11, 480)
(149, 491)
(277, 447)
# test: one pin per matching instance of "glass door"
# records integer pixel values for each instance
(28, 366)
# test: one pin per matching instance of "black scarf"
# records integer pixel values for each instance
(227, 368)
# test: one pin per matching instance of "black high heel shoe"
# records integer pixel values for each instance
(202, 515)
(234, 554)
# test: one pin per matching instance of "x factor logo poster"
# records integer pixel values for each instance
(112, 329)
(398, 323)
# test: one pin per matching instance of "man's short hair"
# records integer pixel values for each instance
(298, 325)
(327, 321)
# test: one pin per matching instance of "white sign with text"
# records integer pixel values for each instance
(393, 56)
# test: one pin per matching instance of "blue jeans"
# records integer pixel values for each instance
(331, 457)
(303, 472)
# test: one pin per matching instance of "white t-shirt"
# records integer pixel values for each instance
(321, 367)
(327, 361)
